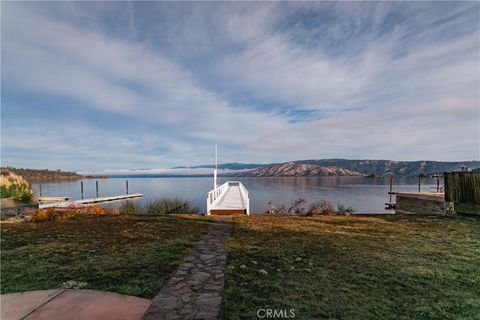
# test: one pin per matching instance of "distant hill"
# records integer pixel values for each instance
(293, 169)
(226, 166)
(345, 167)
(35, 175)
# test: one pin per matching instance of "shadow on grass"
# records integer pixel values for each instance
(348, 267)
(125, 254)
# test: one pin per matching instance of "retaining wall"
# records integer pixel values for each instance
(422, 203)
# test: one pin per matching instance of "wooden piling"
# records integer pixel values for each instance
(81, 189)
(419, 183)
(96, 187)
(40, 187)
(391, 186)
(126, 185)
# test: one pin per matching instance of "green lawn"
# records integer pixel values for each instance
(125, 254)
(347, 267)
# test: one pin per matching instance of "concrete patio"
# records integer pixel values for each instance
(71, 304)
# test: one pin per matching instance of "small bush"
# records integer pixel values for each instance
(99, 210)
(324, 207)
(296, 206)
(320, 207)
(52, 214)
(344, 209)
(273, 209)
(15, 187)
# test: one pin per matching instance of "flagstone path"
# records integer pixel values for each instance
(195, 288)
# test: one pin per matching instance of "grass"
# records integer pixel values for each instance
(353, 267)
(125, 254)
(158, 207)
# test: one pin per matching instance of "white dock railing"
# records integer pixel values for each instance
(245, 198)
(215, 195)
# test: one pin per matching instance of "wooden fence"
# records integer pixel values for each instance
(463, 189)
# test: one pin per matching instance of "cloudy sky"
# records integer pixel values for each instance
(112, 85)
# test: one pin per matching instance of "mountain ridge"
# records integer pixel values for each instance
(348, 167)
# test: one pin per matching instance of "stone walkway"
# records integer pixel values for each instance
(194, 290)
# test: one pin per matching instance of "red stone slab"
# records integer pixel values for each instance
(18, 305)
(78, 305)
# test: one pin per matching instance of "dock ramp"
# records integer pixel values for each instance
(229, 198)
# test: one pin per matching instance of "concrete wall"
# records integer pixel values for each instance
(422, 203)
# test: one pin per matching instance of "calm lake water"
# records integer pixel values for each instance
(365, 195)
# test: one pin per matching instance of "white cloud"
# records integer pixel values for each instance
(388, 93)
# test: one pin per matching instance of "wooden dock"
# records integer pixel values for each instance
(86, 202)
(229, 198)
(53, 199)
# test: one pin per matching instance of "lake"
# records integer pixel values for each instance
(365, 195)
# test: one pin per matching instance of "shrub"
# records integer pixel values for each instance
(52, 214)
(99, 210)
(344, 209)
(320, 207)
(272, 209)
(296, 206)
(15, 187)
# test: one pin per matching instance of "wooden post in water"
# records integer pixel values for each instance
(81, 189)
(126, 185)
(96, 185)
(438, 184)
(40, 186)
(419, 183)
(391, 189)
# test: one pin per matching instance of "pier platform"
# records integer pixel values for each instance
(229, 198)
(85, 202)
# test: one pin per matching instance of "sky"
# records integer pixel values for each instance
(132, 85)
